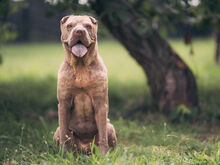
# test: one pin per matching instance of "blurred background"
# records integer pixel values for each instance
(163, 68)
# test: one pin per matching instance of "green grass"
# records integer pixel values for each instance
(41, 60)
(30, 142)
(28, 91)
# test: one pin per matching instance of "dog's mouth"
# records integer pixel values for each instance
(79, 49)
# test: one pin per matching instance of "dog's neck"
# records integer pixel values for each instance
(84, 62)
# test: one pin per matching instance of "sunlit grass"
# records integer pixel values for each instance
(43, 59)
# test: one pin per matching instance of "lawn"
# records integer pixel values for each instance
(28, 91)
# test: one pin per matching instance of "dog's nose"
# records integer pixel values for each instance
(79, 32)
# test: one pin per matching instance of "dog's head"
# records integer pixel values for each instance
(78, 34)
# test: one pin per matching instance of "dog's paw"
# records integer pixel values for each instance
(103, 149)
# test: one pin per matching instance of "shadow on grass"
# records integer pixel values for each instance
(25, 96)
(31, 97)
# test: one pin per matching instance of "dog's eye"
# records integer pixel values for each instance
(88, 26)
(69, 26)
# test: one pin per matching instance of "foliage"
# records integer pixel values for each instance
(62, 5)
(164, 16)
(7, 32)
(182, 114)
(209, 11)
(151, 14)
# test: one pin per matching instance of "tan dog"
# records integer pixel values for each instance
(83, 88)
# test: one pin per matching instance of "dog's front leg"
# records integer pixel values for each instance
(63, 112)
(100, 104)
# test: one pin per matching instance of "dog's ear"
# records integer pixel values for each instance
(64, 19)
(94, 21)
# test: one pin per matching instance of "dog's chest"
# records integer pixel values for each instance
(82, 79)
(87, 78)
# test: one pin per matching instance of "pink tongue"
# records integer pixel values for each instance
(79, 50)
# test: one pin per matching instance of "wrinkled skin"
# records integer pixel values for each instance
(83, 89)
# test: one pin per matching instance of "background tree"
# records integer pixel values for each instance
(132, 23)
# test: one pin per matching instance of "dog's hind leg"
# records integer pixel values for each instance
(112, 140)
(56, 136)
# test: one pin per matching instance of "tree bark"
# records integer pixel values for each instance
(170, 79)
(217, 52)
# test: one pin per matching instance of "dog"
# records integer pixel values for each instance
(82, 89)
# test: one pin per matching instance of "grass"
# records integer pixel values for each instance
(30, 142)
(28, 91)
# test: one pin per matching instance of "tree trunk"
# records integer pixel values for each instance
(217, 53)
(171, 81)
